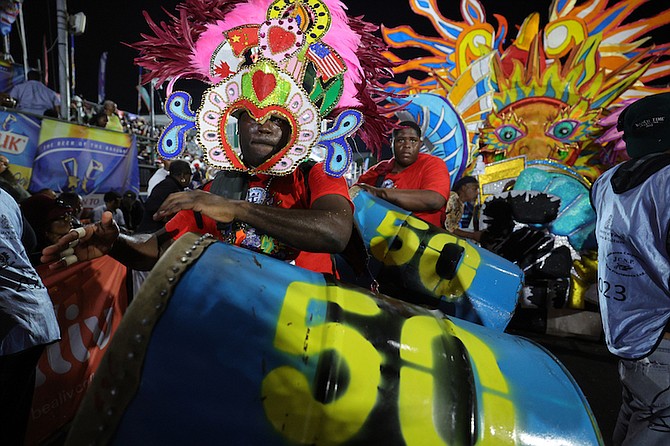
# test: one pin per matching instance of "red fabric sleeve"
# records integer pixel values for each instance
(321, 184)
(185, 222)
(318, 262)
(435, 177)
(370, 176)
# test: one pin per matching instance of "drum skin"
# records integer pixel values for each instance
(225, 346)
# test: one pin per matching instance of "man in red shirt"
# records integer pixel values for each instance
(286, 102)
(417, 182)
(281, 216)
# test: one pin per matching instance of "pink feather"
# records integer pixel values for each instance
(184, 46)
(340, 37)
(611, 140)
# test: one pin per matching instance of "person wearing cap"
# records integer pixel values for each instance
(113, 205)
(465, 190)
(417, 182)
(27, 323)
(74, 200)
(632, 231)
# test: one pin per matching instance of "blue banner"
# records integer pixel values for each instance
(85, 160)
(10, 75)
(18, 142)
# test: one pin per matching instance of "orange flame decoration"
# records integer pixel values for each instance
(552, 88)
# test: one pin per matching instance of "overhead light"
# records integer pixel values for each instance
(77, 23)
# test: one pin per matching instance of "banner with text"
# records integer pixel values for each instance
(85, 160)
(18, 142)
(89, 299)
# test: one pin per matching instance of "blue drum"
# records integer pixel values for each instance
(226, 346)
(416, 261)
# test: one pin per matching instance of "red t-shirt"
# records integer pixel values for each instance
(288, 192)
(428, 172)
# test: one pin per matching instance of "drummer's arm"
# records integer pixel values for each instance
(325, 227)
(103, 238)
(141, 251)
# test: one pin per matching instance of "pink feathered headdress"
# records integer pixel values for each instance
(183, 48)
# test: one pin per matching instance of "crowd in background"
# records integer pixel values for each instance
(50, 214)
(33, 97)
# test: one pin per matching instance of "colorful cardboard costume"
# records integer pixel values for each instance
(303, 61)
(550, 98)
(548, 92)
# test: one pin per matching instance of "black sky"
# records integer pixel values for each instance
(109, 23)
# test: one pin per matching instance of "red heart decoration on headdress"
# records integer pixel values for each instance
(264, 84)
(280, 40)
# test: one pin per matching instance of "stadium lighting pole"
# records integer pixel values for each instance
(22, 33)
(63, 59)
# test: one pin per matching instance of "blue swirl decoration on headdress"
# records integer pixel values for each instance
(173, 139)
(334, 140)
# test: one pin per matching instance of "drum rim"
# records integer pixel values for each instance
(118, 376)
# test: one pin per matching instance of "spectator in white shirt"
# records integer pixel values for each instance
(158, 176)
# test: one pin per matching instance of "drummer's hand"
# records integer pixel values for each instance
(87, 243)
(214, 206)
(372, 190)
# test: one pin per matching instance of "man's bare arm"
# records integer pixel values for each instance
(326, 227)
(413, 200)
(96, 240)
